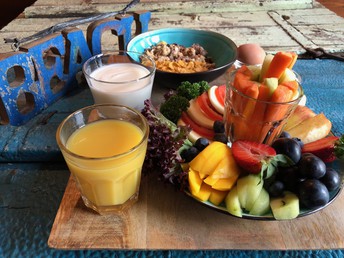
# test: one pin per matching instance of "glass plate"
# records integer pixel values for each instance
(337, 165)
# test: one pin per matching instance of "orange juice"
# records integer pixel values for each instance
(110, 171)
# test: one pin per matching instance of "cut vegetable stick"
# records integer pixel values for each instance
(267, 61)
(246, 71)
(242, 122)
(238, 100)
(276, 114)
(258, 114)
(293, 86)
(240, 128)
(278, 64)
(264, 93)
(252, 92)
(295, 56)
(241, 82)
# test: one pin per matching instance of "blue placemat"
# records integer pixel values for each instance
(323, 83)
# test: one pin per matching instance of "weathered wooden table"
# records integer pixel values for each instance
(291, 25)
(33, 177)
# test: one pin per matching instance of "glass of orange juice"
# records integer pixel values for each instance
(104, 147)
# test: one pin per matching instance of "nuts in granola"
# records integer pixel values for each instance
(180, 59)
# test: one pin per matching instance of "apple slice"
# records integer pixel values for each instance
(286, 207)
(214, 101)
(198, 130)
(195, 113)
(312, 129)
(262, 204)
(300, 114)
(232, 203)
(192, 136)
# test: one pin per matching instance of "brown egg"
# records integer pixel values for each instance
(251, 54)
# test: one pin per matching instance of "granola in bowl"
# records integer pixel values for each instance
(180, 59)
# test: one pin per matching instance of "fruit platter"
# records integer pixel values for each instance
(297, 174)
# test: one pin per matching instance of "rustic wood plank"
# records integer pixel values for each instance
(167, 219)
(257, 27)
(185, 6)
(87, 2)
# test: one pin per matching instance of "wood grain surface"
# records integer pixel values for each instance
(168, 219)
(275, 25)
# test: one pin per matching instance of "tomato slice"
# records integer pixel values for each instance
(220, 93)
(204, 103)
(204, 132)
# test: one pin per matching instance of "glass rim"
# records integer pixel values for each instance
(115, 53)
(301, 92)
(64, 121)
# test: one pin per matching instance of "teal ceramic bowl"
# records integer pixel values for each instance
(221, 50)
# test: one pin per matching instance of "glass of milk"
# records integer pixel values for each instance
(121, 78)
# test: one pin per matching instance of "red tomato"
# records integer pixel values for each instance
(220, 93)
(204, 103)
(204, 132)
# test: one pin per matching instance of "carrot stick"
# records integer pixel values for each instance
(295, 56)
(293, 86)
(249, 106)
(258, 114)
(279, 63)
(241, 81)
(245, 70)
(276, 113)
(242, 128)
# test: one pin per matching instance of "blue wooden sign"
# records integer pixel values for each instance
(44, 70)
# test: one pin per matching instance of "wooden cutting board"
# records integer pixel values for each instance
(168, 219)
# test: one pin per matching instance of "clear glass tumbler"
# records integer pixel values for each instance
(104, 147)
(120, 77)
(248, 118)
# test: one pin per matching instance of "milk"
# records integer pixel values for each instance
(126, 84)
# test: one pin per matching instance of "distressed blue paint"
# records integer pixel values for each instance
(44, 72)
(142, 20)
(77, 52)
(120, 27)
(9, 95)
(68, 45)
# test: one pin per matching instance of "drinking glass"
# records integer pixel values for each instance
(248, 118)
(120, 77)
(104, 147)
